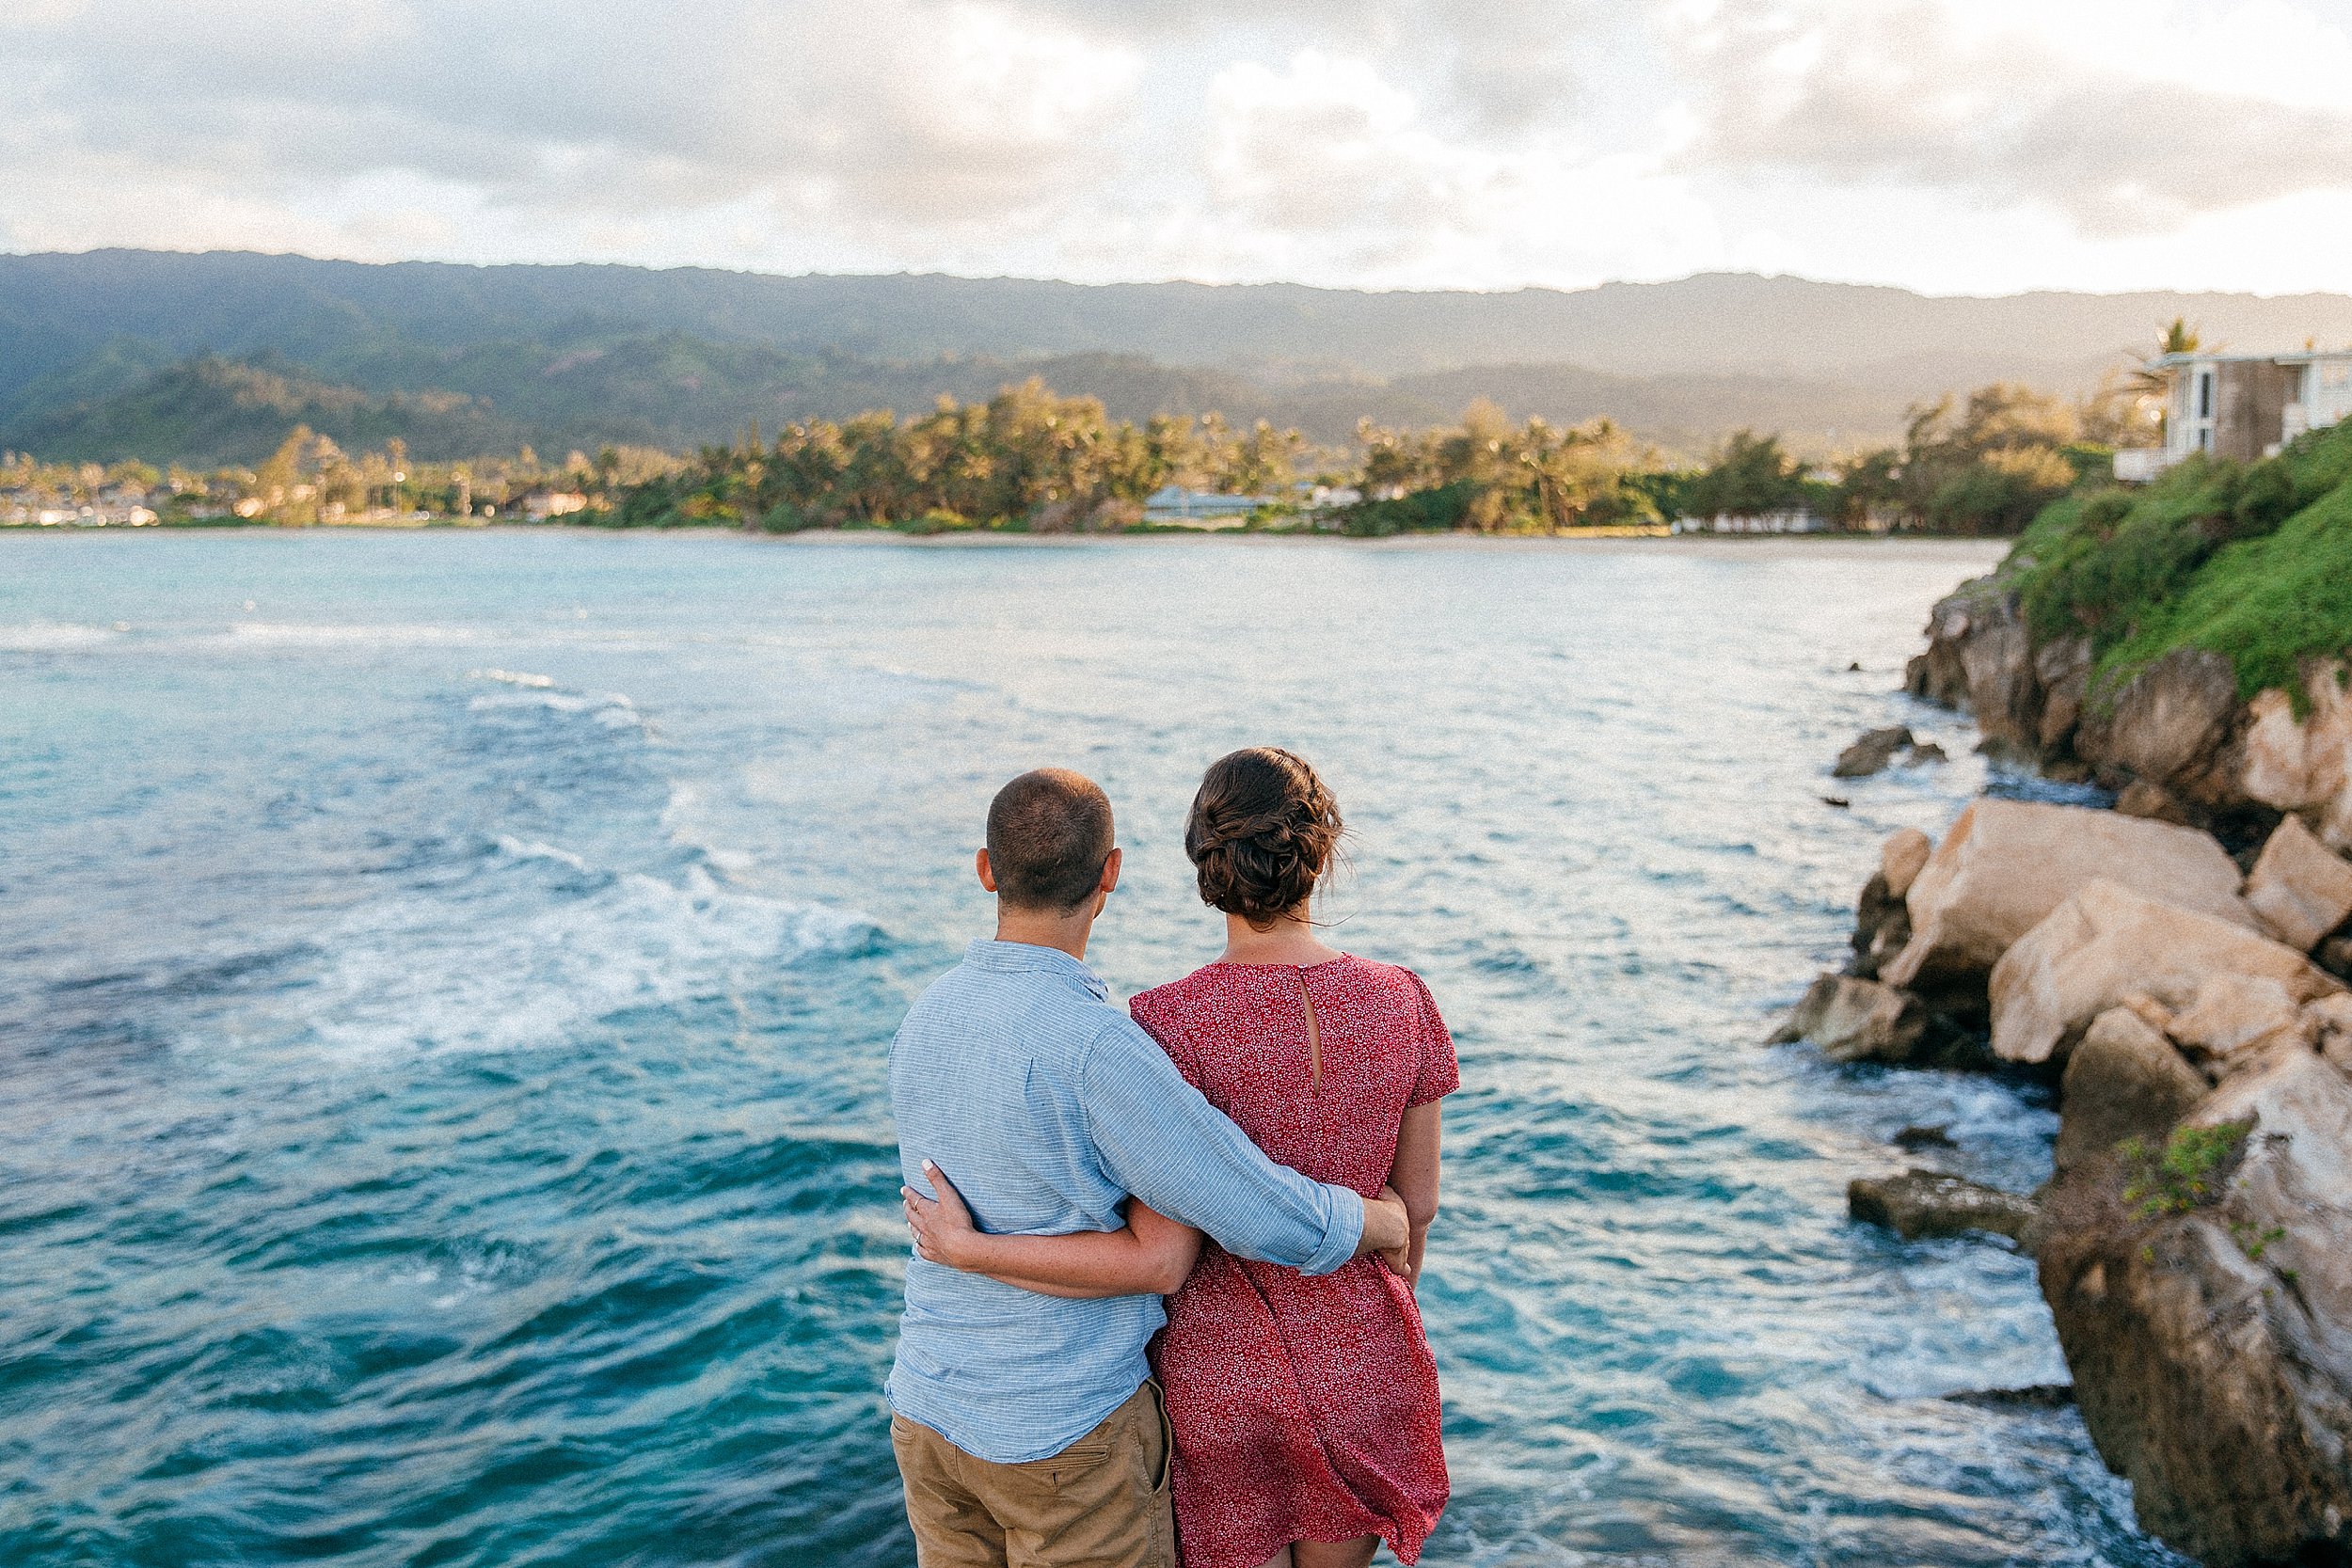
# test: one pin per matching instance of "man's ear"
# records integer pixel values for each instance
(988, 873)
(1110, 871)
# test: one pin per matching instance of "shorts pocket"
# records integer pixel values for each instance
(1167, 1471)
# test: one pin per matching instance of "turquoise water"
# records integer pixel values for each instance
(444, 984)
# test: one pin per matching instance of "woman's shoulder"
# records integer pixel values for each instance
(1395, 979)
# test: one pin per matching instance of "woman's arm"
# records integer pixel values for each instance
(1151, 1258)
(1415, 1178)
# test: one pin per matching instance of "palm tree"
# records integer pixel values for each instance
(2178, 338)
(2151, 382)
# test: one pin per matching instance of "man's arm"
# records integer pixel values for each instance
(1162, 1140)
(1149, 1258)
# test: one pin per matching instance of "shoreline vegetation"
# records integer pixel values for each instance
(2175, 965)
(1028, 461)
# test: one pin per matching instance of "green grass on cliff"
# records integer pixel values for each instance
(2252, 561)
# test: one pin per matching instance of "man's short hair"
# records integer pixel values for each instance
(1049, 836)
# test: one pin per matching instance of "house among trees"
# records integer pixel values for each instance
(2241, 405)
(1173, 503)
(1789, 519)
(540, 505)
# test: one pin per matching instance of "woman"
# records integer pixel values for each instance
(1305, 1410)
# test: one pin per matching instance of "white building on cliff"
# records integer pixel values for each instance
(2243, 406)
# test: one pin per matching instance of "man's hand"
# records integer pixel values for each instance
(943, 1232)
(1387, 1228)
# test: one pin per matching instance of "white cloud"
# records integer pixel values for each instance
(1326, 157)
(1948, 143)
(1327, 145)
(2123, 118)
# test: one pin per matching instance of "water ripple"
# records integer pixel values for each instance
(442, 1118)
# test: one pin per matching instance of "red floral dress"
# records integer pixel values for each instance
(1304, 1409)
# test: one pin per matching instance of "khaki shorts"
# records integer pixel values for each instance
(1103, 1502)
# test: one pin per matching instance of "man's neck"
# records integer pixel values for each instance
(1067, 933)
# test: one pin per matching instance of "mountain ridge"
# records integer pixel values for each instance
(582, 354)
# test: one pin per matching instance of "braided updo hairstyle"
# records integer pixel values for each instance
(1262, 834)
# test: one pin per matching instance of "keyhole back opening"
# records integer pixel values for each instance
(1314, 1035)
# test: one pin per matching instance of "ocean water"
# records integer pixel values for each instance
(445, 983)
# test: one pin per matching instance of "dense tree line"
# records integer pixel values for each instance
(310, 477)
(1028, 458)
(1489, 476)
(1987, 466)
(1024, 458)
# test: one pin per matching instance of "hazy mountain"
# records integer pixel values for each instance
(212, 411)
(578, 356)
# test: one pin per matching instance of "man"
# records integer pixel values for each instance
(1027, 1431)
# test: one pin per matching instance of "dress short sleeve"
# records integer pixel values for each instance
(1440, 1074)
(1154, 1020)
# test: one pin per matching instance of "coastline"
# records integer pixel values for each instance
(2169, 952)
(1810, 546)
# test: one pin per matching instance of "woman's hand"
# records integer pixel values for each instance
(943, 1228)
(1403, 1261)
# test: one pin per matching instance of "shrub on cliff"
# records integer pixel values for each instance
(2252, 561)
(2269, 603)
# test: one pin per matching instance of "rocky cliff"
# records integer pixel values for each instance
(2172, 740)
(2194, 1245)
(2179, 966)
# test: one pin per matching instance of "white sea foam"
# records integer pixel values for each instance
(41, 637)
(682, 821)
(532, 849)
(452, 973)
(300, 634)
(608, 708)
(512, 677)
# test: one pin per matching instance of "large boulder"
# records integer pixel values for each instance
(2063, 668)
(2208, 1321)
(1902, 857)
(2124, 1080)
(2329, 1021)
(2169, 723)
(1873, 752)
(1870, 753)
(1856, 1020)
(2231, 1016)
(2003, 694)
(1981, 655)
(1937, 674)
(2108, 944)
(2300, 888)
(2153, 800)
(2005, 865)
(1923, 1203)
(2303, 763)
(1882, 924)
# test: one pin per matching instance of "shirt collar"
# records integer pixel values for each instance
(1012, 956)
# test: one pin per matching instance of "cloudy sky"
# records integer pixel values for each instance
(1954, 145)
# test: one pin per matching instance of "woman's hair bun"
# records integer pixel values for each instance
(1262, 834)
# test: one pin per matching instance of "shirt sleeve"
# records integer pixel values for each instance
(1163, 1142)
(1440, 1074)
(1179, 1049)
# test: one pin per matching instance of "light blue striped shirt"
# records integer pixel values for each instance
(1046, 1106)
